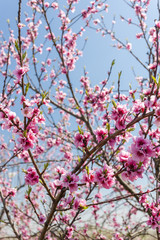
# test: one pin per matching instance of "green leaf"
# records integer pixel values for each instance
(46, 165)
(159, 81)
(89, 147)
(72, 201)
(29, 190)
(140, 164)
(99, 156)
(142, 97)
(68, 177)
(108, 127)
(27, 87)
(40, 181)
(154, 79)
(107, 106)
(86, 92)
(113, 62)
(83, 207)
(44, 95)
(16, 45)
(130, 129)
(80, 130)
(25, 171)
(87, 169)
(24, 55)
(2, 221)
(25, 133)
(133, 96)
(119, 75)
(114, 104)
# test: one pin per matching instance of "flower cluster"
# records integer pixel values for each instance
(141, 150)
(136, 160)
(31, 177)
(154, 210)
(120, 116)
(104, 177)
(70, 181)
(81, 140)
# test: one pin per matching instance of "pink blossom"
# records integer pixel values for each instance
(27, 141)
(60, 96)
(157, 113)
(78, 202)
(52, 74)
(104, 177)
(46, 4)
(129, 20)
(78, 140)
(129, 46)
(27, 112)
(152, 66)
(139, 35)
(81, 140)
(157, 24)
(153, 222)
(138, 107)
(42, 218)
(120, 123)
(138, 9)
(98, 195)
(49, 61)
(31, 177)
(133, 170)
(88, 178)
(157, 121)
(54, 5)
(141, 149)
(31, 136)
(49, 49)
(69, 232)
(11, 115)
(106, 7)
(12, 192)
(96, 21)
(21, 25)
(70, 181)
(123, 156)
(143, 198)
(119, 112)
(41, 118)
(84, 14)
(68, 155)
(20, 71)
(101, 133)
(25, 156)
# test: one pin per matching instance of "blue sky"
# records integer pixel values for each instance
(98, 53)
